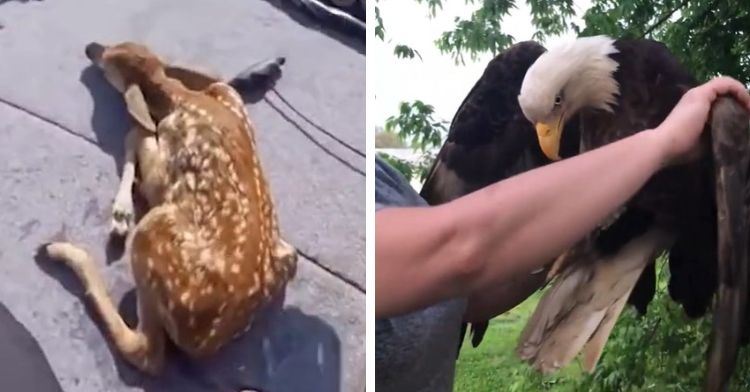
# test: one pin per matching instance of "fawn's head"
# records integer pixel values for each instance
(125, 64)
(140, 75)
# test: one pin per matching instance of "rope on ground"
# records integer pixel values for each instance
(316, 126)
(313, 139)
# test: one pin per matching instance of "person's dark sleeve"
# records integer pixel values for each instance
(392, 189)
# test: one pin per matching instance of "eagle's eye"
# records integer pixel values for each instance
(558, 100)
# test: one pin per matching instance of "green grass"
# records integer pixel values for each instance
(660, 351)
(494, 366)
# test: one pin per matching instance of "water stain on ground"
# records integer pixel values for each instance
(28, 228)
(93, 209)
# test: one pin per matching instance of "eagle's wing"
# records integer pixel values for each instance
(729, 134)
(489, 138)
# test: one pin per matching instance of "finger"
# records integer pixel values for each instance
(726, 85)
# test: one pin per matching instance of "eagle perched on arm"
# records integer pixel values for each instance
(532, 107)
(617, 88)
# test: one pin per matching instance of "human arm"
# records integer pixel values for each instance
(494, 299)
(425, 255)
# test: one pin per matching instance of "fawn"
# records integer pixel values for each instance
(208, 252)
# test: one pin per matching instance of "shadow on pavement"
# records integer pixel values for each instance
(17, 1)
(23, 366)
(332, 27)
(110, 124)
(109, 120)
(285, 351)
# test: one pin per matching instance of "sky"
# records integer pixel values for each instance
(436, 79)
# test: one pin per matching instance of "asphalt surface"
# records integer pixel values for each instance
(61, 143)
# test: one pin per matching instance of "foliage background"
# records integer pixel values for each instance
(711, 37)
(661, 351)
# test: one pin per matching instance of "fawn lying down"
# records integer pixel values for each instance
(208, 253)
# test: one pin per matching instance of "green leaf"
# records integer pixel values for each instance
(403, 166)
(379, 27)
(405, 52)
(433, 5)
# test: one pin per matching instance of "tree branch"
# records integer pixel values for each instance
(663, 19)
(703, 14)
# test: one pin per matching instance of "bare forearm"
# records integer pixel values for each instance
(425, 255)
(407, 246)
(500, 297)
(526, 221)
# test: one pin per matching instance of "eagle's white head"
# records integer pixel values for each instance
(564, 80)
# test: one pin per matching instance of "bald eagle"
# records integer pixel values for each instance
(612, 89)
(489, 140)
(577, 97)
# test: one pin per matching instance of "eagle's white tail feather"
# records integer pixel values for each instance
(582, 306)
(592, 351)
(555, 300)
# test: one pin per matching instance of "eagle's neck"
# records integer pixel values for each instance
(593, 84)
(580, 73)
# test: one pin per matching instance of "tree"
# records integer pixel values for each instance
(710, 37)
(416, 123)
(386, 139)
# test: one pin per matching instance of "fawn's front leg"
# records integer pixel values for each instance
(122, 208)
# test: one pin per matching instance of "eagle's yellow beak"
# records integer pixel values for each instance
(549, 138)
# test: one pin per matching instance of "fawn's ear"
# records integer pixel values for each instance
(138, 108)
(191, 78)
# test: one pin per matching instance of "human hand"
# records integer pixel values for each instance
(680, 131)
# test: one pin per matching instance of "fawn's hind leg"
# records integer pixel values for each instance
(285, 258)
(143, 347)
(284, 251)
